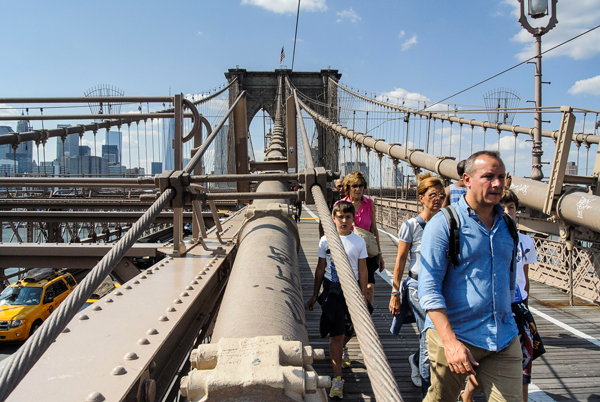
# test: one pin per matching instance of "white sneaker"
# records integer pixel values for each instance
(415, 375)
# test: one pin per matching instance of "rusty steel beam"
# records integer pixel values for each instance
(89, 216)
(156, 318)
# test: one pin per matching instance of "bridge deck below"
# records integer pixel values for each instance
(570, 369)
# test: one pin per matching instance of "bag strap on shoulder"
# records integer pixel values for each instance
(454, 228)
(514, 233)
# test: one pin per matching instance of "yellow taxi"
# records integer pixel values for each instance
(24, 305)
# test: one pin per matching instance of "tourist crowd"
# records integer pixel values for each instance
(466, 286)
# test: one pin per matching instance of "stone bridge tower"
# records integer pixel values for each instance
(261, 90)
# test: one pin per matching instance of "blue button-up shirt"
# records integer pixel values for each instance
(478, 292)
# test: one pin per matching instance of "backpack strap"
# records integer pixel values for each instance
(514, 233)
(454, 228)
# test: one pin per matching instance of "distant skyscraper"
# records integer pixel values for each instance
(169, 136)
(571, 169)
(114, 139)
(23, 155)
(390, 175)
(349, 167)
(156, 168)
(111, 153)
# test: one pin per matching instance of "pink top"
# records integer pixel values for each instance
(362, 217)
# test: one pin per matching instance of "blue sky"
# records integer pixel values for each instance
(427, 49)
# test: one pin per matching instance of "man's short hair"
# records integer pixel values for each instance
(509, 196)
(460, 168)
(469, 164)
(344, 207)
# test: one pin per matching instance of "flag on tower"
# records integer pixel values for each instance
(282, 56)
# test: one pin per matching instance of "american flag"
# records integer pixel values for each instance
(282, 56)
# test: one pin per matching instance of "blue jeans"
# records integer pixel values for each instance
(420, 315)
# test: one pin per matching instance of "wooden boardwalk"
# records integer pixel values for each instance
(569, 371)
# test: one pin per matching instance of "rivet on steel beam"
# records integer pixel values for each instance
(143, 341)
(131, 356)
(177, 301)
(108, 301)
(95, 397)
(162, 265)
(97, 308)
(119, 370)
(152, 331)
(143, 277)
(198, 276)
(194, 282)
(171, 310)
(136, 282)
(83, 317)
(149, 271)
(66, 330)
(117, 293)
(163, 318)
(184, 294)
(157, 268)
(189, 288)
(127, 287)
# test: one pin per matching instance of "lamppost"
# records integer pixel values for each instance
(538, 9)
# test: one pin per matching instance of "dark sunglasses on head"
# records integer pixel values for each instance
(358, 186)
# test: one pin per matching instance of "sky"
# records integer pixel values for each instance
(420, 50)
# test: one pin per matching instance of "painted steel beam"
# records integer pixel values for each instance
(89, 216)
(132, 343)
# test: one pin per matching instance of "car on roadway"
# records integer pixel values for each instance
(26, 304)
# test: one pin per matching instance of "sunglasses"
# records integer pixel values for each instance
(339, 187)
(434, 195)
(358, 186)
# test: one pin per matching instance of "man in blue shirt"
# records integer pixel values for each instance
(470, 328)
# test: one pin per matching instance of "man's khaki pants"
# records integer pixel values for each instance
(499, 373)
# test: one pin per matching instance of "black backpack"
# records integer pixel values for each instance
(454, 241)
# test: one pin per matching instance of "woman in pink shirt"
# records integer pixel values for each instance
(354, 187)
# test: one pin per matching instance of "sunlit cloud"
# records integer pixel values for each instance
(590, 86)
(409, 43)
(288, 6)
(348, 15)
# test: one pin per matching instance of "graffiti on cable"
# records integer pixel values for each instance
(522, 188)
(583, 204)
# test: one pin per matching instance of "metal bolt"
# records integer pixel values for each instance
(127, 287)
(118, 293)
(177, 301)
(194, 282)
(66, 330)
(119, 370)
(131, 356)
(95, 397)
(149, 272)
(108, 301)
(163, 318)
(143, 277)
(189, 288)
(157, 268)
(83, 317)
(184, 294)
(171, 309)
(97, 308)
(136, 282)
(143, 341)
(152, 331)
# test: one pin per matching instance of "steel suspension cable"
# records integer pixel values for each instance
(382, 379)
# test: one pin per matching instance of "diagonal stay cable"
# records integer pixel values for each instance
(19, 364)
(382, 379)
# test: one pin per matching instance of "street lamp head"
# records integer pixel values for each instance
(538, 8)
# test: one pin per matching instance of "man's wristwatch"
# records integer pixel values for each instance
(395, 292)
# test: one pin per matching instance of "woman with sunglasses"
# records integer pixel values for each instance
(404, 296)
(354, 187)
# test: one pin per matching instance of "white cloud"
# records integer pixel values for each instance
(402, 97)
(348, 14)
(200, 33)
(590, 86)
(574, 18)
(288, 6)
(401, 34)
(409, 42)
